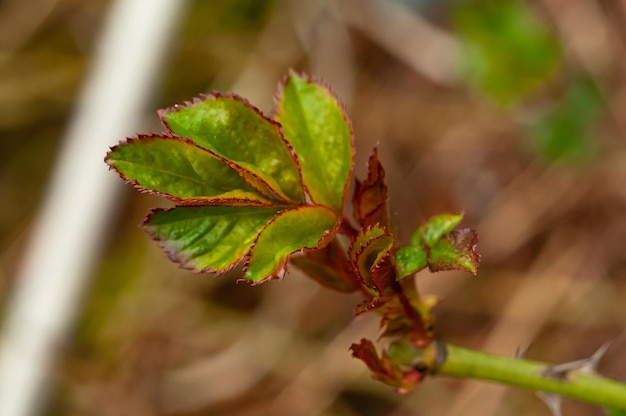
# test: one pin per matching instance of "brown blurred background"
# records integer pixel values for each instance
(513, 112)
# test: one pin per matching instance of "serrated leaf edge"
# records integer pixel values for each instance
(240, 171)
(180, 262)
(233, 96)
(322, 83)
(280, 271)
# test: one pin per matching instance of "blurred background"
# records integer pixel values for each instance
(513, 112)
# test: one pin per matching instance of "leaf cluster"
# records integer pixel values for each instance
(263, 190)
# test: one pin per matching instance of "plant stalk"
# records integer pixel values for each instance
(462, 362)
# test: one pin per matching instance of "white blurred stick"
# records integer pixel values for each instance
(68, 232)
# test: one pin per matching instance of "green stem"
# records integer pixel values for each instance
(461, 362)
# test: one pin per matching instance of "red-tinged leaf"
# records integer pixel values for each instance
(209, 238)
(231, 127)
(329, 267)
(370, 304)
(405, 318)
(382, 271)
(367, 252)
(456, 250)
(316, 125)
(370, 196)
(181, 171)
(384, 368)
(405, 314)
(293, 230)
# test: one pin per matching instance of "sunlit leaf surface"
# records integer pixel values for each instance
(316, 126)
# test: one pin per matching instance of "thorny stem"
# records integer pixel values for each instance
(576, 384)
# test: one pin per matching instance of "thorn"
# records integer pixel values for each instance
(586, 365)
(552, 401)
(522, 352)
(592, 362)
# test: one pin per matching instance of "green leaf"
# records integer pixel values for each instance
(235, 130)
(304, 227)
(563, 133)
(615, 412)
(455, 251)
(437, 226)
(207, 239)
(317, 127)
(410, 260)
(181, 171)
(508, 51)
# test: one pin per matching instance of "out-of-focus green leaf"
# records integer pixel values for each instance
(235, 130)
(292, 230)
(615, 412)
(410, 260)
(564, 132)
(181, 171)
(456, 250)
(437, 226)
(209, 238)
(315, 124)
(508, 52)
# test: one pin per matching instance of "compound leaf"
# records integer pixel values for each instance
(181, 171)
(316, 125)
(235, 130)
(303, 227)
(207, 238)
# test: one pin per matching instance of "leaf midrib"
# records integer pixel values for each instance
(315, 149)
(177, 175)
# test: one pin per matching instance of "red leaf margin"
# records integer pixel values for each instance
(241, 172)
(232, 96)
(281, 268)
(171, 255)
(322, 83)
(372, 189)
(384, 369)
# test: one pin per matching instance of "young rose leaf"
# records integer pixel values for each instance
(181, 171)
(384, 368)
(369, 254)
(235, 130)
(370, 196)
(329, 267)
(456, 250)
(316, 125)
(303, 227)
(410, 260)
(209, 238)
(437, 226)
